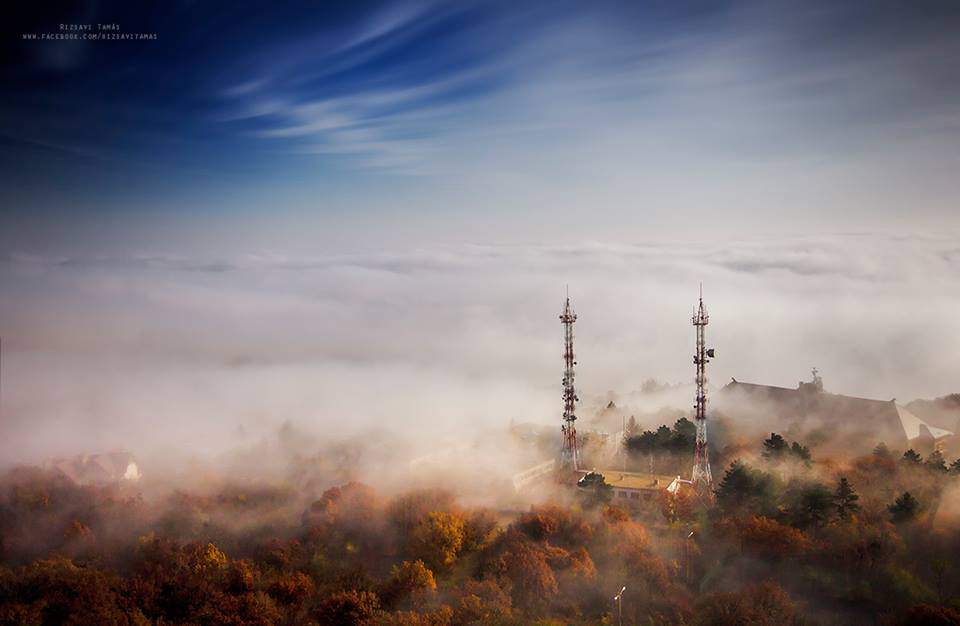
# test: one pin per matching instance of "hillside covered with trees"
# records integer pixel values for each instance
(787, 538)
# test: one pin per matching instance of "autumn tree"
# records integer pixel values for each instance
(407, 511)
(410, 582)
(532, 580)
(678, 506)
(615, 538)
(480, 527)
(250, 608)
(206, 560)
(291, 588)
(58, 591)
(413, 576)
(538, 524)
(767, 537)
(438, 538)
(482, 602)
(241, 576)
(347, 608)
(557, 524)
(861, 545)
(766, 604)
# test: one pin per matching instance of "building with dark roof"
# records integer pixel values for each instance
(809, 406)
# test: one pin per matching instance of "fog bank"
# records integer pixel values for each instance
(198, 356)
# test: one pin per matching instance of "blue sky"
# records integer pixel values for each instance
(484, 121)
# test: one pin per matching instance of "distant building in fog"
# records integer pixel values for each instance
(97, 469)
(809, 406)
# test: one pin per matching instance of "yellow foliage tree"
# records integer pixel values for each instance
(438, 538)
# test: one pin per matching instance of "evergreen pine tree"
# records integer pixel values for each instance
(905, 508)
(936, 461)
(845, 498)
(802, 453)
(774, 447)
(911, 456)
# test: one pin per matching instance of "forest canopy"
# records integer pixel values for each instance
(783, 538)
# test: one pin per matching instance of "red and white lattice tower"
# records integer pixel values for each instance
(569, 455)
(701, 477)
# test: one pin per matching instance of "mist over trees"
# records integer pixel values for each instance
(784, 538)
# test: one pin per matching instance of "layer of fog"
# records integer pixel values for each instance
(174, 358)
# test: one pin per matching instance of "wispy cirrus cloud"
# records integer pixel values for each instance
(444, 91)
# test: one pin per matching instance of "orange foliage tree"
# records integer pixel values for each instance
(766, 604)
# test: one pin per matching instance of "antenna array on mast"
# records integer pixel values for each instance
(701, 477)
(569, 454)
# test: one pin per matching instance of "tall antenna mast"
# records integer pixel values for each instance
(569, 454)
(701, 477)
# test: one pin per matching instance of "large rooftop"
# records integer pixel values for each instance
(630, 480)
(886, 418)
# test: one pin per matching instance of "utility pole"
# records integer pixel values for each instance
(569, 455)
(701, 477)
(619, 599)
